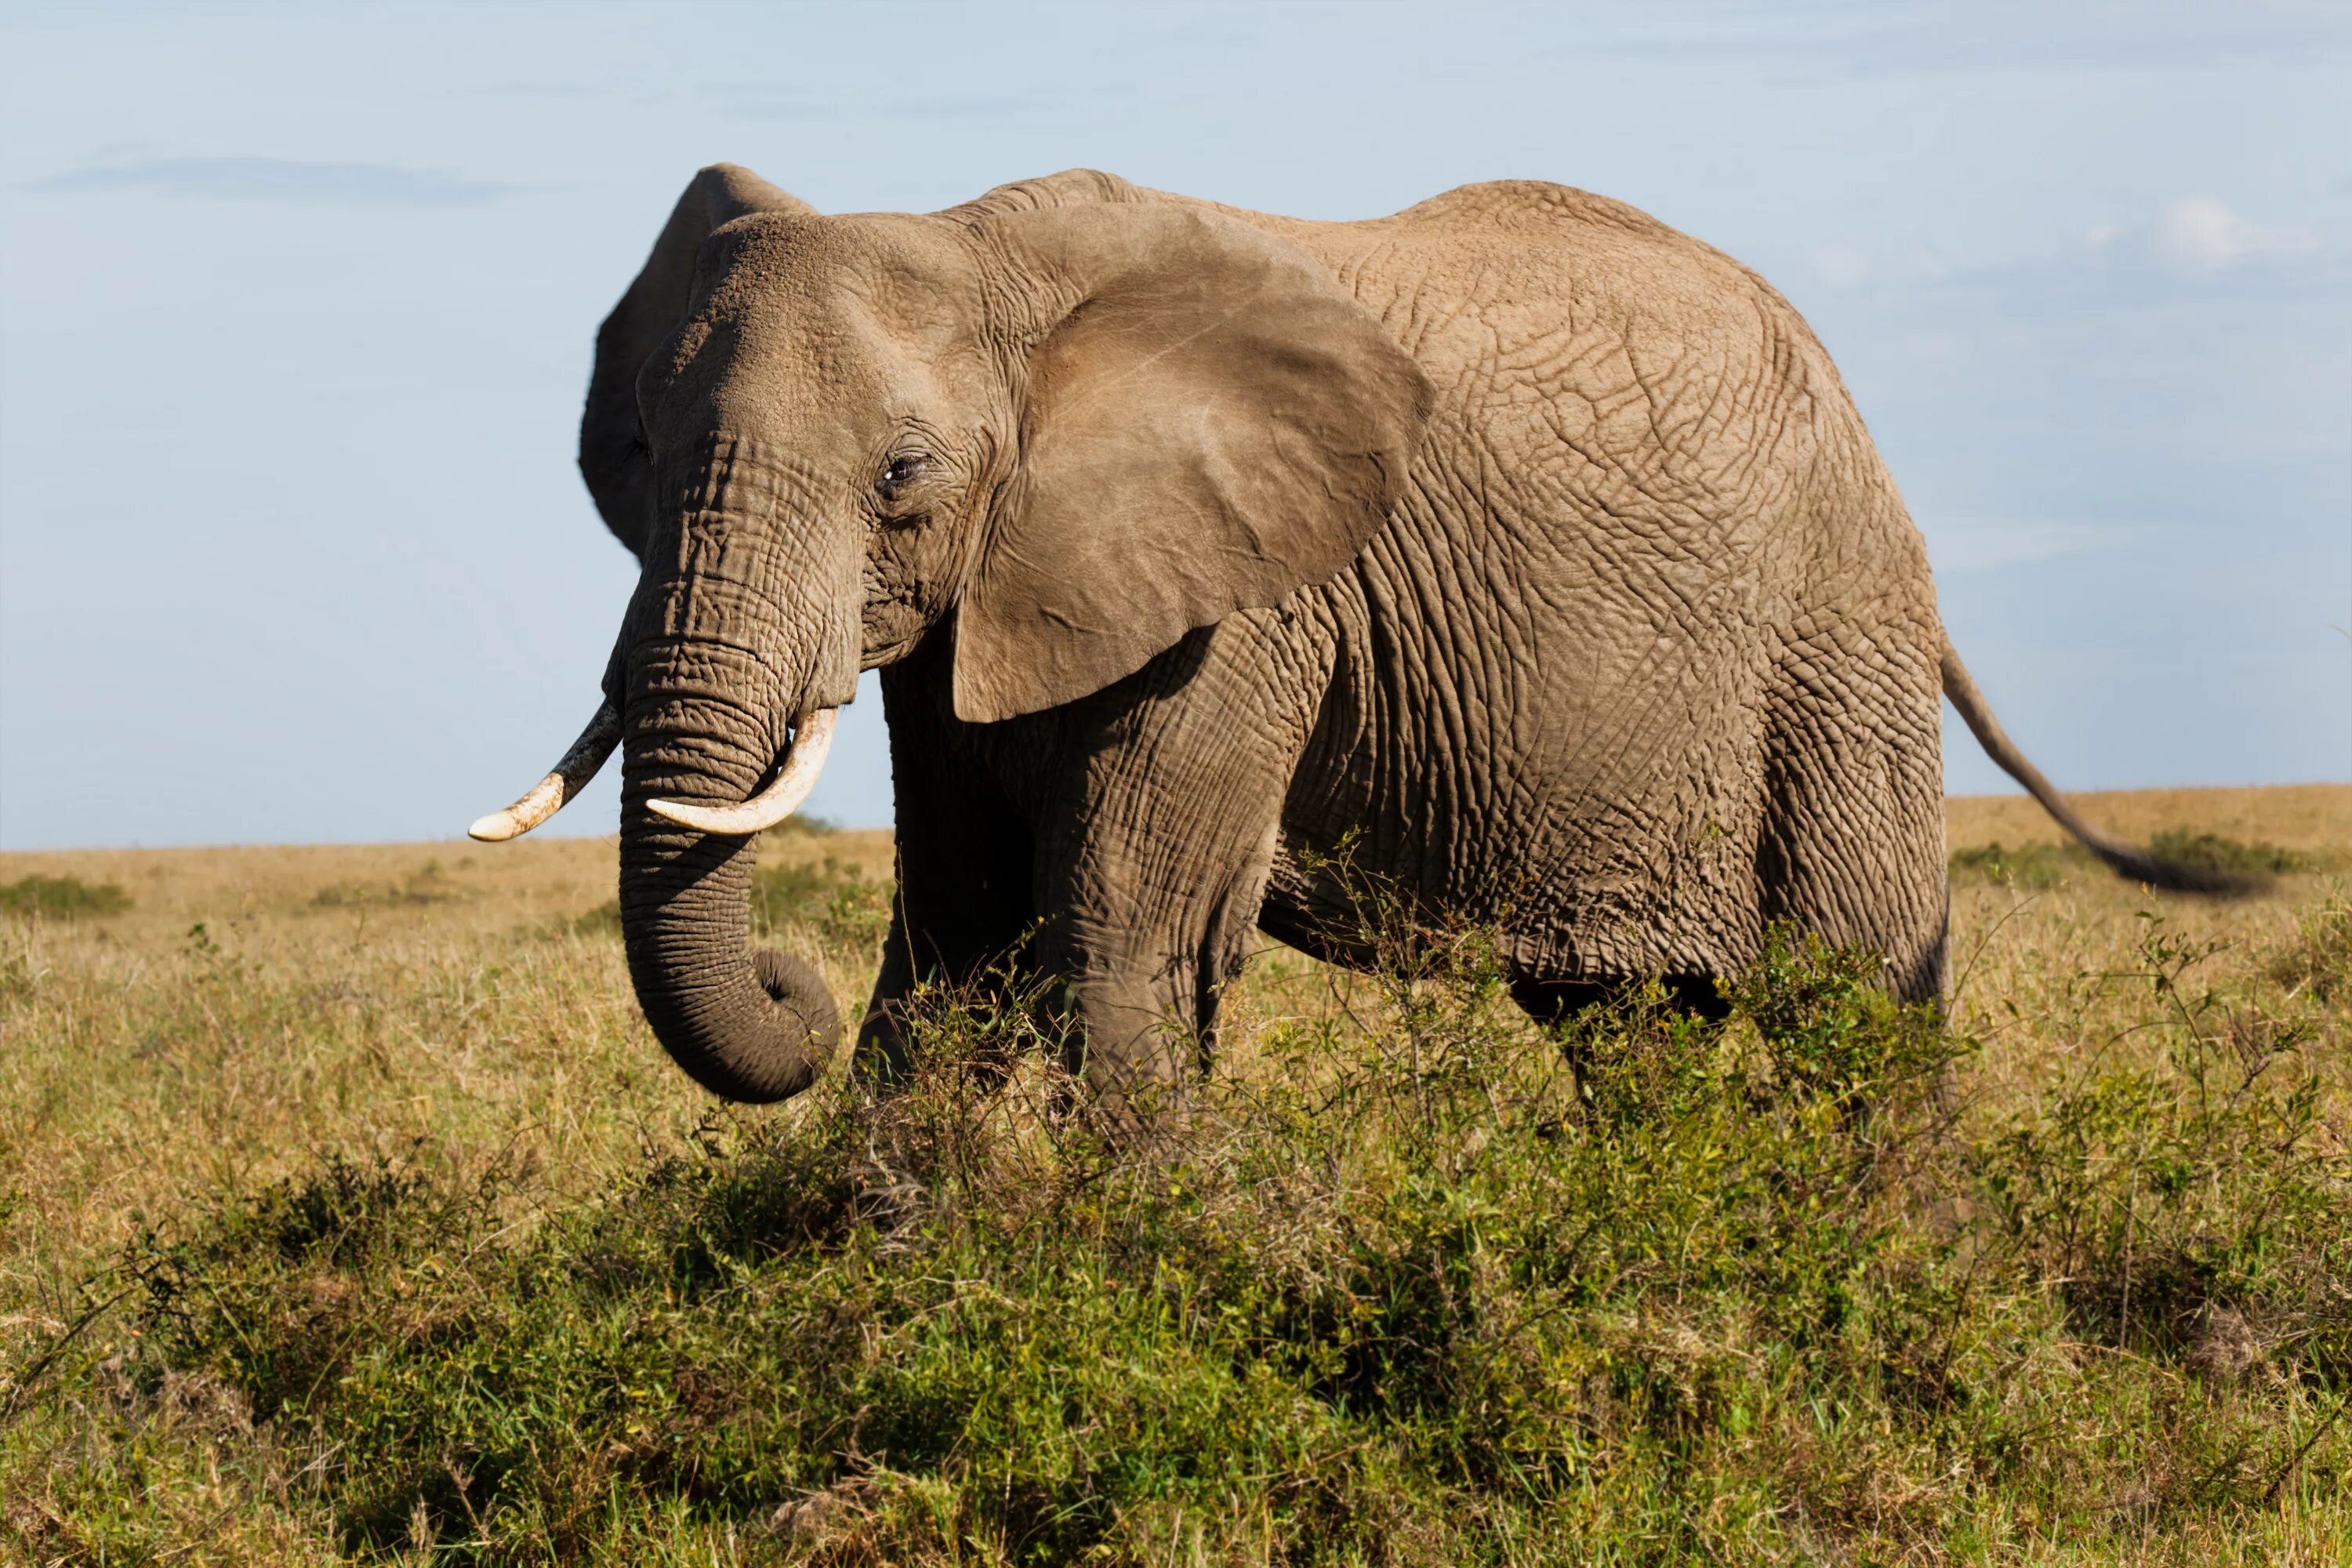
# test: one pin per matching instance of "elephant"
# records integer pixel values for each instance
(1515, 551)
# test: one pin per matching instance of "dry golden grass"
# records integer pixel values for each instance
(2314, 816)
(295, 897)
(255, 1008)
(258, 1006)
(433, 995)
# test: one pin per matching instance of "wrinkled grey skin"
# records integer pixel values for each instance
(1529, 552)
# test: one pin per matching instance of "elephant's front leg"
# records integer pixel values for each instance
(1154, 861)
(966, 865)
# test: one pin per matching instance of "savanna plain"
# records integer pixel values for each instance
(347, 1211)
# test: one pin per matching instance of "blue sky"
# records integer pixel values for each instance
(296, 308)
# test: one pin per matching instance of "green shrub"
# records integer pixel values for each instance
(1411, 1291)
(845, 908)
(65, 897)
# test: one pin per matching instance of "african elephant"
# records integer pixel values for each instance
(1525, 547)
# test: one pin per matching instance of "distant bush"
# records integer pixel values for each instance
(2217, 852)
(1412, 1292)
(62, 896)
(2044, 866)
(2035, 866)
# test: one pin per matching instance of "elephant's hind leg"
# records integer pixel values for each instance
(1852, 847)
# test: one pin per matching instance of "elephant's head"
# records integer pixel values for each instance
(1062, 426)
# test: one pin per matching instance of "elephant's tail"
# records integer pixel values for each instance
(2137, 864)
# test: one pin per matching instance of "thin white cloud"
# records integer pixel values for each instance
(2198, 234)
(282, 180)
(2189, 241)
(1843, 266)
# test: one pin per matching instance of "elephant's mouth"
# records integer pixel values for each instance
(803, 762)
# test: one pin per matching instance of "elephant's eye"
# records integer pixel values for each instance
(899, 472)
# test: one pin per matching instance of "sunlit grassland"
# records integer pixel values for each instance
(347, 1208)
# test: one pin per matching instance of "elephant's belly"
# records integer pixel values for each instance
(1595, 792)
(1610, 895)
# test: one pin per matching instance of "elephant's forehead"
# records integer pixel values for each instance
(891, 271)
(802, 313)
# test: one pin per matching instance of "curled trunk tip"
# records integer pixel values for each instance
(750, 1025)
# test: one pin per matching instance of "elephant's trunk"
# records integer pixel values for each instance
(749, 1026)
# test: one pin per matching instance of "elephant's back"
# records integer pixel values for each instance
(1613, 362)
(1632, 410)
(1538, 209)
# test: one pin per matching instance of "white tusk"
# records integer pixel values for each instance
(811, 738)
(569, 778)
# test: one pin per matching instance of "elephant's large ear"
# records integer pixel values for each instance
(611, 458)
(1211, 423)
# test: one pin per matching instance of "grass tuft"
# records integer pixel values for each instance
(425, 885)
(2318, 960)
